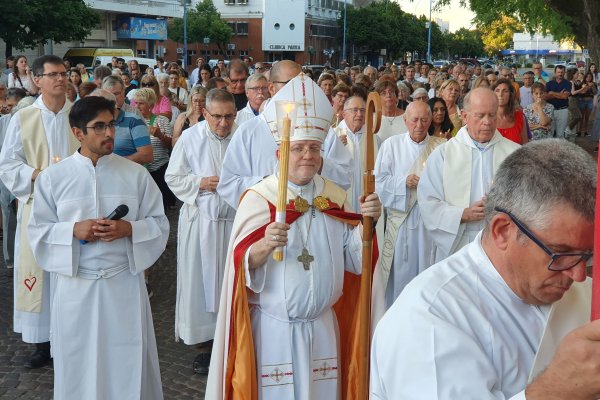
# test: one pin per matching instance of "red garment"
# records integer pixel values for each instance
(514, 132)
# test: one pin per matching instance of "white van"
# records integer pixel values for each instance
(143, 62)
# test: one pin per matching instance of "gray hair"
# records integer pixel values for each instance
(255, 78)
(162, 77)
(104, 93)
(218, 96)
(402, 87)
(112, 81)
(542, 176)
(24, 102)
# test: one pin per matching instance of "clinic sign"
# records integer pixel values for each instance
(141, 28)
(285, 47)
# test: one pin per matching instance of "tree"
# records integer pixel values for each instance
(564, 19)
(27, 24)
(204, 21)
(465, 43)
(498, 35)
(383, 25)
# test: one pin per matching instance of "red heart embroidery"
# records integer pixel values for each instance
(29, 283)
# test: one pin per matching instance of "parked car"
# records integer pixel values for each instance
(440, 63)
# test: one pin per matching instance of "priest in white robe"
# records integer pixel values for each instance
(352, 133)
(492, 320)
(37, 136)
(407, 246)
(205, 221)
(292, 350)
(251, 154)
(102, 333)
(459, 173)
(257, 91)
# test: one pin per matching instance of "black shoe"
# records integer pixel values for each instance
(201, 363)
(39, 359)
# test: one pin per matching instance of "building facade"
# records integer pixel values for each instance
(305, 31)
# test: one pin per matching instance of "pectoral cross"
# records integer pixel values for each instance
(305, 258)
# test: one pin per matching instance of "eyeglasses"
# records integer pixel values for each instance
(100, 128)
(259, 88)
(260, 68)
(299, 150)
(147, 84)
(55, 75)
(356, 110)
(237, 81)
(558, 261)
(218, 117)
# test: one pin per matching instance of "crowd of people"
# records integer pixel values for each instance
(479, 280)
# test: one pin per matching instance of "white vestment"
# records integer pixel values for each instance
(16, 176)
(244, 114)
(251, 156)
(413, 247)
(443, 175)
(355, 147)
(101, 330)
(458, 331)
(205, 222)
(293, 325)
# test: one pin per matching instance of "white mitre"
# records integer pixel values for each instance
(314, 111)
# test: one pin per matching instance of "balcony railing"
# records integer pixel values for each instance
(163, 8)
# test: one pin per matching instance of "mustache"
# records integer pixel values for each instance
(111, 141)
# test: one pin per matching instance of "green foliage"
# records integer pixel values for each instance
(383, 25)
(27, 24)
(498, 35)
(465, 43)
(204, 21)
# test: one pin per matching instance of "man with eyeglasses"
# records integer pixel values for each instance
(102, 333)
(286, 345)
(259, 68)
(507, 316)
(237, 74)
(539, 75)
(460, 172)
(257, 91)
(37, 136)
(353, 128)
(205, 223)
(251, 155)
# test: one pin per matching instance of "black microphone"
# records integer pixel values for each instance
(117, 214)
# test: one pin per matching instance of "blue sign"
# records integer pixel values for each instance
(141, 28)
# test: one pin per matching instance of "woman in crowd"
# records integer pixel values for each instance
(539, 114)
(585, 89)
(450, 91)
(75, 77)
(441, 126)
(403, 94)
(163, 88)
(205, 75)
(511, 120)
(71, 92)
(85, 76)
(162, 104)
(22, 76)
(193, 114)
(160, 138)
(216, 71)
(149, 71)
(482, 81)
(392, 122)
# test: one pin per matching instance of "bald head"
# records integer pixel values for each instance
(281, 72)
(480, 110)
(418, 119)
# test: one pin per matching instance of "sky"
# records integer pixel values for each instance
(458, 16)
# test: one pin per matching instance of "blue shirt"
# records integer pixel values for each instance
(130, 133)
(554, 86)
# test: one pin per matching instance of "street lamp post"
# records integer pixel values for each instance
(184, 33)
(344, 40)
(429, 36)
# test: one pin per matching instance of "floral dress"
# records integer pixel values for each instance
(533, 118)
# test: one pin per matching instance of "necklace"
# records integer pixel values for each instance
(305, 257)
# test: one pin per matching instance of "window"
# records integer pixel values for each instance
(232, 26)
(323, 30)
(141, 53)
(243, 53)
(229, 2)
(242, 28)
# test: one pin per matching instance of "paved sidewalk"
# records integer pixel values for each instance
(179, 382)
